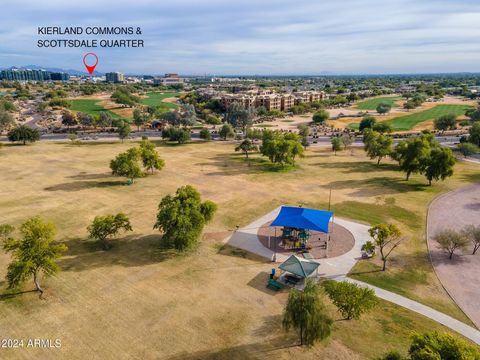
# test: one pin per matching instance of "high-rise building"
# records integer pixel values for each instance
(25, 75)
(115, 77)
(59, 76)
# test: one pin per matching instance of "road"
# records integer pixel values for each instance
(320, 141)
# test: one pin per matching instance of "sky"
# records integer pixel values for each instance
(264, 37)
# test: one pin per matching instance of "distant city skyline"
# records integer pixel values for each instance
(272, 37)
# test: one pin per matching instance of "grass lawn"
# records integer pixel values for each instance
(408, 122)
(373, 103)
(141, 301)
(90, 107)
(157, 99)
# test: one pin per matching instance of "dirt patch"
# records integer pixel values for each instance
(459, 276)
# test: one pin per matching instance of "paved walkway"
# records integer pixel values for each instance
(246, 238)
(458, 326)
(337, 269)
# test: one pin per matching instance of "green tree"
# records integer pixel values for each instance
(85, 119)
(451, 241)
(367, 122)
(123, 130)
(24, 134)
(412, 155)
(306, 313)
(180, 135)
(69, 119)
(473, 114)
(262, 111)
(321, 116)
(350, 299)
(281, 148)
(150, 158)
(140, 117)
(182, 217)
(467, 149)
(127, 164)
(105, 120)
(445, 122)
(239, 116)
(387, 238)
(304, 132)
(226, 131)
(123, 96)
(205, 134)
(347, 140)
(440, 164)
(35, 253)
(474, 132)
(369, 247)
(377, 145)
(435, 345)
(246, 146)
(382, 127)
(6, 120)
(336, 144)
(107, 227)
(383, 108)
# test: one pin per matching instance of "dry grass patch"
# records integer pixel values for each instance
(138, 300)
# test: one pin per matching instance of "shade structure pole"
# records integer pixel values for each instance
(275, 245)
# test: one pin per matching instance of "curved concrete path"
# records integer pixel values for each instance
(337, 269)
(461, 275)
(246, 238)
(458, 326)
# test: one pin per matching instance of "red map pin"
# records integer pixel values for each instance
(90, 68)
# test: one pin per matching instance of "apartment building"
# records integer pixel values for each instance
(270, 101)
(308, 96)
(245, 100)
(287, 101)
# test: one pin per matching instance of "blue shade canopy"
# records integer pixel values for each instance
(303, 218)
(299, 266)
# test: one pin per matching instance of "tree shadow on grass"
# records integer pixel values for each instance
(128, 251)
(358, 166)
(237, 164)
(272, 336)
(10, 294)
(86, 176)
(376, 186)
(89, 142)
(83, 185)
(473, 178)
(259, 282)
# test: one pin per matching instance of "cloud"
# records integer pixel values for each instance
(252, 37)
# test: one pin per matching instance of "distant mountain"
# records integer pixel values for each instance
(68, 71)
